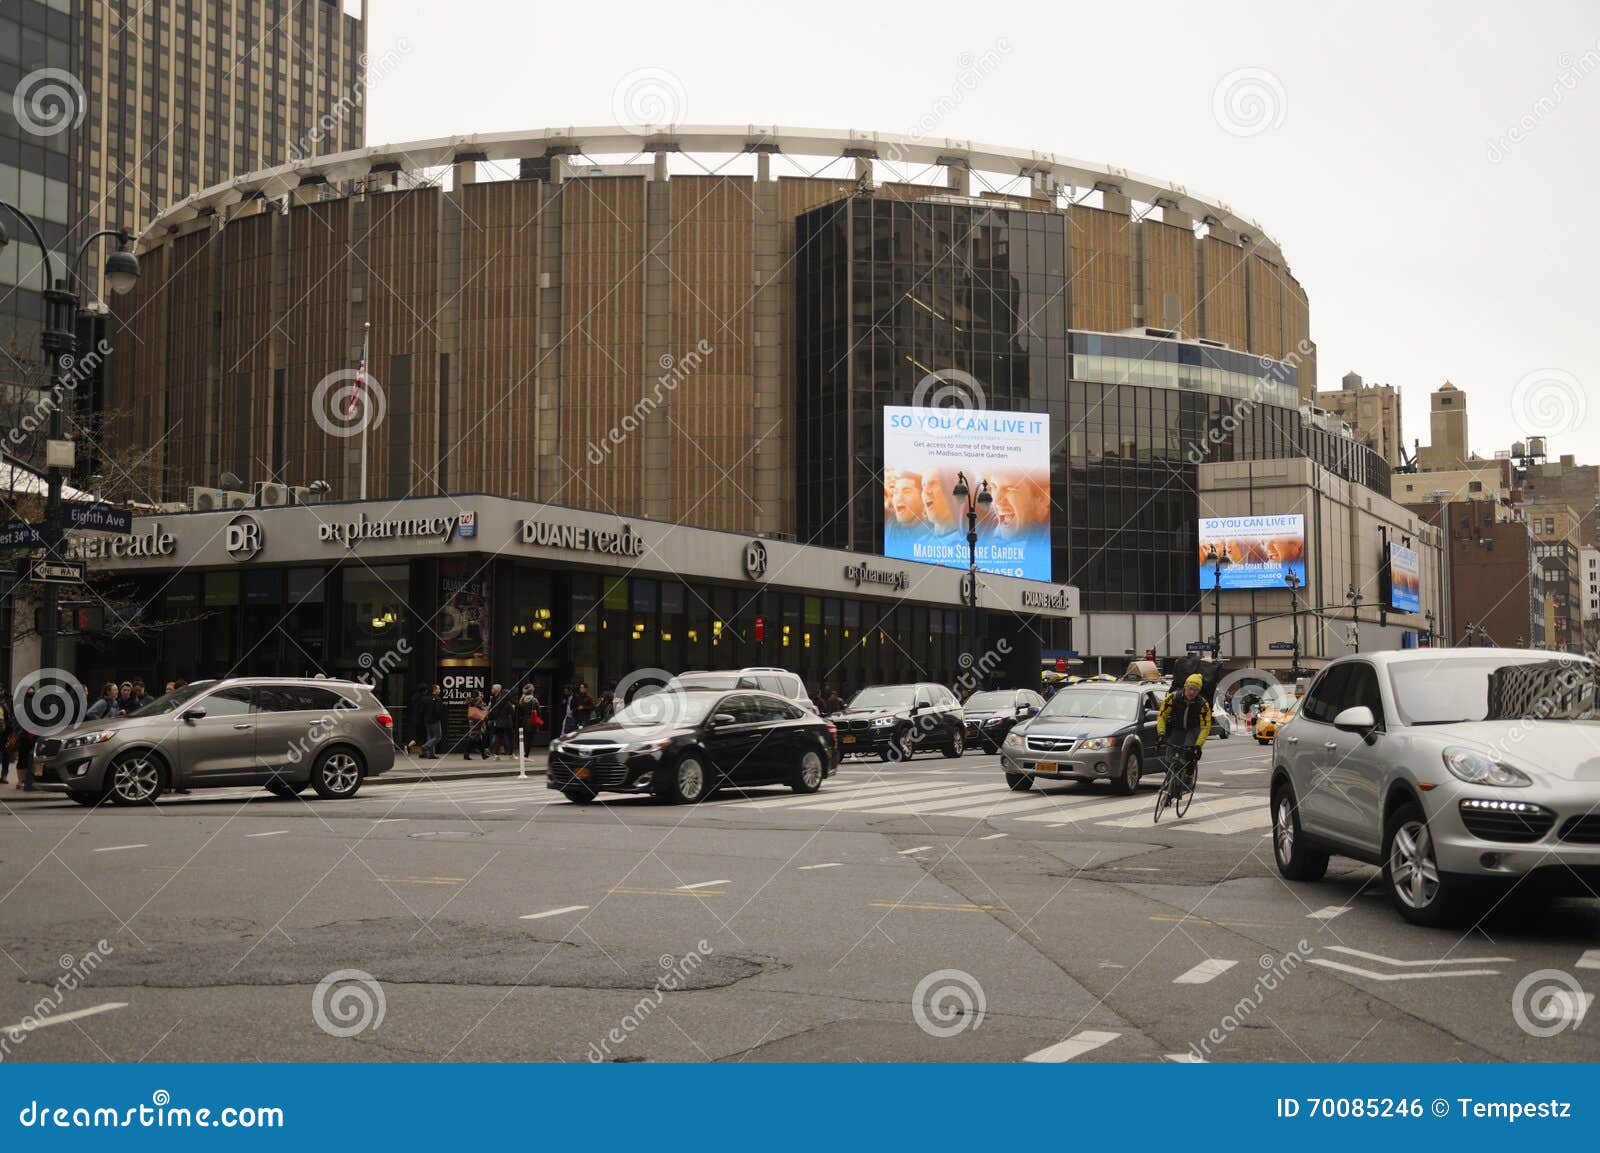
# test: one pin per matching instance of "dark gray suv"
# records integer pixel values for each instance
(282, 733)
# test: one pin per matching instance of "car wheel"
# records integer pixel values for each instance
(1419, 891)
(136, 779)
(957, 745)
(1019, 782)
(286, 789)
(1127, 781)
(337, 774)
(689, 783)
(886, 753)
(905, 745)
(1296, 861)
(808, 776)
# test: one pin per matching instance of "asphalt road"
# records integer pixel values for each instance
(910, 913)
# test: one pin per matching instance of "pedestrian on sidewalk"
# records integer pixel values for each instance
(528, 718)
(605, 708)
(416, 727)
(106, 706)
(140, 698)
(8, 731)
(25, 741)
(478, 727)
(431, 715)
(582, 705)
(502, 721)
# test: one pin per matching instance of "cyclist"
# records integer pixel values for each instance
(1185, 717)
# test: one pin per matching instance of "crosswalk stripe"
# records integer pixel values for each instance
(1590, 959)
(1241, 822)
(1201, 811)
(1075, 1046)
(1093, 811)
(1208, 970)
(786, 801)
(1008, 804)
(994, 802)
(903, 802)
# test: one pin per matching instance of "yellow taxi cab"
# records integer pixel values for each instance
(1270, 718)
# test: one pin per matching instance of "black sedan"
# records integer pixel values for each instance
(991, 715)
(683, 745)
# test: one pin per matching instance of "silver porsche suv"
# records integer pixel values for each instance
(1463, 773)
(284, 734)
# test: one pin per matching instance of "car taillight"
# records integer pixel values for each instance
(833, 729)
(386, 720)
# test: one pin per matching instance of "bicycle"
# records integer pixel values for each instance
(1177, 787)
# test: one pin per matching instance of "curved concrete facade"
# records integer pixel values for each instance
(618, 335)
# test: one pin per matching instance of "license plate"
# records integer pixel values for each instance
(848, 740)
(1046, 767)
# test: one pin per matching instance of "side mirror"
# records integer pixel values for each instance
(1357, 720)
(193, 714)
(1026, 710)
(724, 719)
(1152, 714)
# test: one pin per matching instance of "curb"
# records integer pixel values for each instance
(411, 777)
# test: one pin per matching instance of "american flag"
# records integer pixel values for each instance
(358, 393)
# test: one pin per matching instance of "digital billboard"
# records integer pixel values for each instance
(1261, 550)
(924, 449)
(1405, 579)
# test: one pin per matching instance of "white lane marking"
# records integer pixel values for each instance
(1241, 822)
(1075, 1046)
(552, 912)
(273, 833)
(1360, 972)
(498, 810)
(788, 801)
(1185, 1059)
(918, 849)
(1329, 912)
(1208, 970)
(120, 848)
(1590, 959)
(826, 865)
(1200, 811)
(994, 804)
(33, 1023)
(1062, 810)
(389, 820)
(702, 885)
(1243, 772)
(1345, 949)
(994, 836)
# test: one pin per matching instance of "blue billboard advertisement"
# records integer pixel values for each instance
(1405, 579)
(923, 451)
(1258, 551)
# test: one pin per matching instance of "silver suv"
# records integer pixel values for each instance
(1454, 770)
(782, 682)
(280, 732)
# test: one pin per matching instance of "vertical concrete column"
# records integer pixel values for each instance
(773, 424)
(278, 338)
(357, 312)
(548, 434)
(958, 178)
(447, 323)
(660, 352)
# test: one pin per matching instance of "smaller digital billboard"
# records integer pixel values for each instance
(1405, 579)
(1260, 550)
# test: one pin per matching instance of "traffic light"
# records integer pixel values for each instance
(73, 619)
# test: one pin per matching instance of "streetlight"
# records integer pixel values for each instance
(63, 303)
(1292, 579)
(983, 498)
(1218, 562)
(1354, 597)
(1428, 616)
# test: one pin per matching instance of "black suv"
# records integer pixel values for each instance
(899, 721)
(993, 714)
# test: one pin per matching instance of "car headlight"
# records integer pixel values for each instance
(554, 747)
(649, 746)
(1015, 742)
(1097, 744)
(83, 740)
(992, 720)
(882, 722)
(1480, 769)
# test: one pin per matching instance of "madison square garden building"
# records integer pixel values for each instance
(702, 328)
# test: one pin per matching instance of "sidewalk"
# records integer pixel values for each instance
(408, 770)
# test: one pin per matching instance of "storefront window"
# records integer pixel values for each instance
(373, 615)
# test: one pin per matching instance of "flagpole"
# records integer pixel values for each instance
(365, 423)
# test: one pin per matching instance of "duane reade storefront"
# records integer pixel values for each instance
(467, 591)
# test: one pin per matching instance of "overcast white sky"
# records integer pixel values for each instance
(1433, 245)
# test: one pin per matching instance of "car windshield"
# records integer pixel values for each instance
(991, 701)
(173, 700)
(1095, 704)
(1445, 690)
(883, 697)
(665, 707)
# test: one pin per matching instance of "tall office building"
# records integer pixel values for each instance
(1373, 410)
(112, 110)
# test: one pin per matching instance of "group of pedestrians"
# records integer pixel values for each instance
(17, 739)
